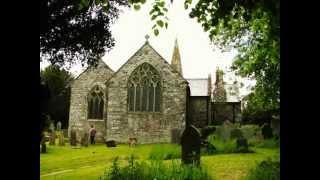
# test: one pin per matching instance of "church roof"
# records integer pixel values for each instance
(198, 87)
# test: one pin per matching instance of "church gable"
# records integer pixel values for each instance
(147, 54)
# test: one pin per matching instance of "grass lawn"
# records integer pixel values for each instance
(91, 162)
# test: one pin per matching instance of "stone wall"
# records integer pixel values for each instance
(146, 127)
(199, 110)
(79, 104)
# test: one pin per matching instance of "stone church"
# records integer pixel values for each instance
(145, 98)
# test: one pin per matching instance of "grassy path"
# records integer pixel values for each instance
(89, 163)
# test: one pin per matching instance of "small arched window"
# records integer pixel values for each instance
(144, 89)
(95, 103)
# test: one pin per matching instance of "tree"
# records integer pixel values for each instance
(57, 81)
(76, 30)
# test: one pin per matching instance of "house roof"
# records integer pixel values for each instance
(198, 87)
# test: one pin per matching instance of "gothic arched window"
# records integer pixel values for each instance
(95, 103)
(144, 89)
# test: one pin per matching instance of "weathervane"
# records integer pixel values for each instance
(147, 37)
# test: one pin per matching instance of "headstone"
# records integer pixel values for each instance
(266, 131)
(61, 138)
(73, 137)
(43, 144)
(85, 139)
(59, 126)
(190, 144)
(206, 131)
(242, 145)
(52, 140)
(51, 127)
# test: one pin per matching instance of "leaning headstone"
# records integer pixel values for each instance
(85, 139)
(73, 137)
(190, 144)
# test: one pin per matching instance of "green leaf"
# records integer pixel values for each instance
(166, 25)
(156, 32)
(136, 7)
(143, 1)
(186, 6)
(153, 17)
(154, 26)
(165, 9)
(160, 23)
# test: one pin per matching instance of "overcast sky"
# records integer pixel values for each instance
(198, 56)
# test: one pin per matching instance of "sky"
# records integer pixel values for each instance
(198, 56)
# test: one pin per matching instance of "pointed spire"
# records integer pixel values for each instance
(176, 61)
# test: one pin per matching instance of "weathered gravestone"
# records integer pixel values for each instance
(266, 131)
(52, 140)
(190, 144)
(242, 145)
(85, 139)
(73, 137)
(205, 132)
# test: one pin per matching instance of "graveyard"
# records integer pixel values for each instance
(82, 161)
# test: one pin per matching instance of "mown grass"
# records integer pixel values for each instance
(91, 162)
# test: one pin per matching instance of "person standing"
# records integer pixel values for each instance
(92, 133)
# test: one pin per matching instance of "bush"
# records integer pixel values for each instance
(266, 170)
(154, 170)
(221, 146)
(236, 133)
(250, 131)
(269, 143)
(165, 151)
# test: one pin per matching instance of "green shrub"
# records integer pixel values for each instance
(250, 131)
(236, 133)
(154, 170)
(165, 151)
(228, 146)
(269, 143)
(266, 170)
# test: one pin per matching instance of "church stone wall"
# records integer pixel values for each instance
(79, 104)
(146, 127)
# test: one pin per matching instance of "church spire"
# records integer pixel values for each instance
(176, 61)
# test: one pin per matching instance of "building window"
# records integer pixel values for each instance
(95, 103)
(144, 89)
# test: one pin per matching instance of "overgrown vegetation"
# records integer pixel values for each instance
(266, 170)
(165, 152)
(159, 170)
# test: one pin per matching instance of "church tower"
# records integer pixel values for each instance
(176, 61)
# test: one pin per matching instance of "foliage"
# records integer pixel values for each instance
(154, 170)
(236, 133)
(266, 170)
(165, 151)
(57, 82)
(269, 143)
(77, 30)
(222, 146)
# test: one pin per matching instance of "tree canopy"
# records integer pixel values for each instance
(56, 93)
(76, 30)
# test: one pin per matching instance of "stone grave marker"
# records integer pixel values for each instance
(190, 144)
(73, 137)
(61, 139)
(59, 126)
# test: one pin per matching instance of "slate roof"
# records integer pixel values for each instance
(198, 87)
